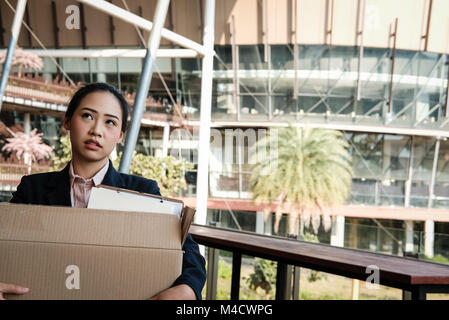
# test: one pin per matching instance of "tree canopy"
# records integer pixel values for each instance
(310, 172)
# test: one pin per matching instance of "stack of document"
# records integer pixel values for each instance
(110, 198)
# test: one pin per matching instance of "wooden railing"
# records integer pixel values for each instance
(12, 173)
(60, 92)
(39, 89)
(415, 277)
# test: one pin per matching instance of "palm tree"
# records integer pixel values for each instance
(23, 60)
(30, 147)
(312, 173)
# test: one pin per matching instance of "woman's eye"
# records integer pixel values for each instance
(111, 122)
(87, 116)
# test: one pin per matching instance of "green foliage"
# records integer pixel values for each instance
(438, 258)
(306, 295)
(310, 237)
(264, 276)
(225, 253)
(169, 172)
(224, 270)
(64, 153)
(310, 172)
(315, 276)
(224, 273)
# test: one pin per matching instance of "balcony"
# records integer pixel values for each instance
(415, 277)
(11, 173)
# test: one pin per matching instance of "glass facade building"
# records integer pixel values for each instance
(391, 104)
(339, 86)
(326, 88)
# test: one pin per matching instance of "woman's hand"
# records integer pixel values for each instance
(179, 292)
(11, 288)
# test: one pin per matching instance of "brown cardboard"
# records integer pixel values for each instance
(119, 255)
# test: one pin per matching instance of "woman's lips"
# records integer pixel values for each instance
(92, 145)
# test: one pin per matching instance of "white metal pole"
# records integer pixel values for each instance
(15, 30)
(112, 53)
(202, 183)
(134, 19)
(144, 84)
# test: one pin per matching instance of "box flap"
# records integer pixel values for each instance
(186, 220)
(88, 226)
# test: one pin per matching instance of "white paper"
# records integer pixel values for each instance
(107, 199)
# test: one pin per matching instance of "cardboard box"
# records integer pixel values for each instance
(72, 253)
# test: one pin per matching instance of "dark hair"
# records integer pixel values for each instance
(93, 87)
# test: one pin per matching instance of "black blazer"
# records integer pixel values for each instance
(53, 188)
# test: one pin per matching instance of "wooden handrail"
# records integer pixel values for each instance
(417, 276)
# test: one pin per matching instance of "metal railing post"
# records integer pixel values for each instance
(212, 273)
(296, 282)
(15, 31)
(281, 281)
(235, 282)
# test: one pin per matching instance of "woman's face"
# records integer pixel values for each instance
(95, 127)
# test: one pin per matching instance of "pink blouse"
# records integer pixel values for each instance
(80, 188)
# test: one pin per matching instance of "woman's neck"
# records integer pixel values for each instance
(87, 169)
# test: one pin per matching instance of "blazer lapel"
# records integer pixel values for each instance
(58, 189)
(112, 177)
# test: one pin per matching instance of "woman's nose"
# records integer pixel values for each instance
(96, 129)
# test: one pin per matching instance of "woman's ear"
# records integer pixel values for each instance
(121, 137)
(67, 123)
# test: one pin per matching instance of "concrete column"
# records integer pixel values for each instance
(268, 224)
(429, 230)
(434, 173)
(27, 130)
(430, 225)
(26, 124)
(260, 223)
(101, 77)
(165, 139)
(387, 147)
(215, 162)
(408, 182)
(409, 247)
(338, 231)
